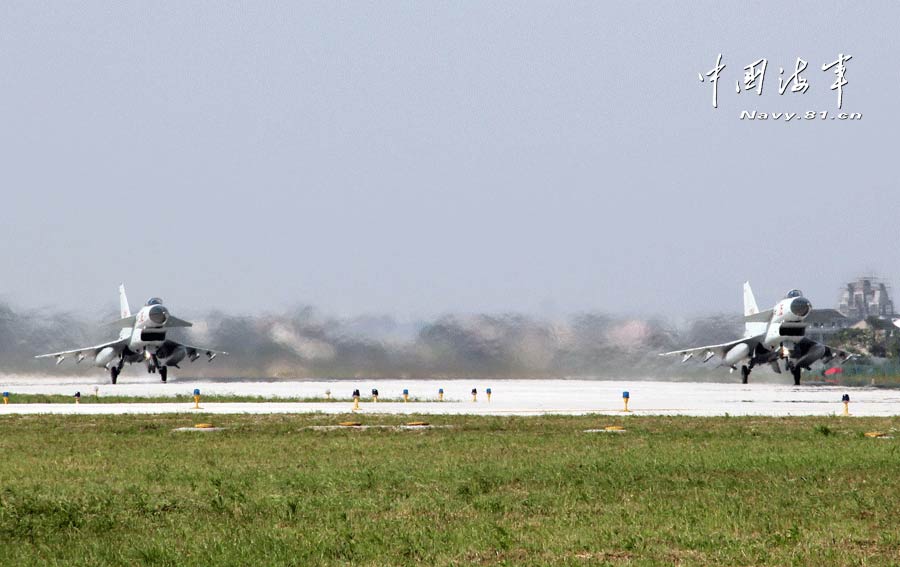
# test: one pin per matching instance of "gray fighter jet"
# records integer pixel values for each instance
(771, 336)
(142, 338)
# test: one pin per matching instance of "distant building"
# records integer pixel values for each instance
(866, 297)
(822, 323)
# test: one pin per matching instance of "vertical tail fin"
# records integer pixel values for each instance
(750, 307)
(124, 310)
(754, 328)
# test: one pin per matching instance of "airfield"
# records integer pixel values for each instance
(509, 397)
(576, 482)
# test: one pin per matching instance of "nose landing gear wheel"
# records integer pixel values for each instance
(163, 373)
(745, 374)
(796, 372)
(113, 374)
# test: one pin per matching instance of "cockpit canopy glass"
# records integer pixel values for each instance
(154, 301)
(794, 293)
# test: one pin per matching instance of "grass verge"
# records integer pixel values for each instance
(114, 490)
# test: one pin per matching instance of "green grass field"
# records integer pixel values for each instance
(127, 490)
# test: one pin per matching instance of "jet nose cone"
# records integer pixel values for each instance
(801, 306)
(158, 314)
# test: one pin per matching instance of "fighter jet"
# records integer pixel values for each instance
(770, 337)
(142, 338)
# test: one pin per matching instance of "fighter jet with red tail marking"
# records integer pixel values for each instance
(770, 337)
(142, 338)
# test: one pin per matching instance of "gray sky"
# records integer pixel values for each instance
(415, 158)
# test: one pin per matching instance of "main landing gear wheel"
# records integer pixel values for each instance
(745, 374)
(114, 373)
(163, 373)
(795, 371)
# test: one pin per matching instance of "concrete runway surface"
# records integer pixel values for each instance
(510, 397)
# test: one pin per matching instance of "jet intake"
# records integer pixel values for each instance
(736, 354)
(785, 330)
(153, 336)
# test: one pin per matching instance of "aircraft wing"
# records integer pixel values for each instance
(712, 350)
(808, 351)
(842, 355)
(194, 352)
(761, 317)
(81, 353)
(171, 321)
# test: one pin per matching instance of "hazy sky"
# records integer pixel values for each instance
(415, 158)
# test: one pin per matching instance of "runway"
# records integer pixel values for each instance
(509, 397)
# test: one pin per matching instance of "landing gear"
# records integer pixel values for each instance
(795, 371)
(745, 374)
(163, 373)
(114, 371)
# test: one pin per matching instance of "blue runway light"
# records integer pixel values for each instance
(196, 391)
(625, 396)
(845, 398)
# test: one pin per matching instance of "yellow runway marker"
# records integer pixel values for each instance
(875, 434)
